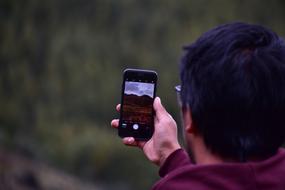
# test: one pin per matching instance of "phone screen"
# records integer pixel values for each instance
(137, 107)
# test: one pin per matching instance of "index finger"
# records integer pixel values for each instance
(118, 107)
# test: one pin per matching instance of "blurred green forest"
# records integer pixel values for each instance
(61, 64)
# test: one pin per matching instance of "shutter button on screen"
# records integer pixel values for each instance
(135, 126)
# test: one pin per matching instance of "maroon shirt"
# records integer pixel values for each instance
(179, 173)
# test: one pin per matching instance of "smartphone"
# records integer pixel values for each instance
(137, 114)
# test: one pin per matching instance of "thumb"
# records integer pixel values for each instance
(158, 108)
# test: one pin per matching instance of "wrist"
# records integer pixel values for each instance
(167, 152)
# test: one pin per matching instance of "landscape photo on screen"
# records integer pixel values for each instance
(138, 100)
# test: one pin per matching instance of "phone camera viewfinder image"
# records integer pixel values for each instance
(138, 100)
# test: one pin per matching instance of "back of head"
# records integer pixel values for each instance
(233, 80)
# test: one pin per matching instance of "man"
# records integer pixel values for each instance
(233, 108)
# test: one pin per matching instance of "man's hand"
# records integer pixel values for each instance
(164, 140)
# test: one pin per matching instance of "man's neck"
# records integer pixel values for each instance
(202, 155)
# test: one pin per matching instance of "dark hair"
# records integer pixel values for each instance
(233, 80)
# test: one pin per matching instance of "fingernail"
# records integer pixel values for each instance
(159, 100)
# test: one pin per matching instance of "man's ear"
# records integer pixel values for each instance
(188, 122)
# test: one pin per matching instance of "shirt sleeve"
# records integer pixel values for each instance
(175, 160)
